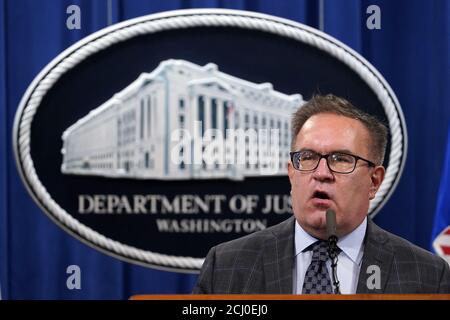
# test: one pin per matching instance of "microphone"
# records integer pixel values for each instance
(332, 246)
(331, 224)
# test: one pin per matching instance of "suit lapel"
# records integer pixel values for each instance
(278, 259)
(377, 254)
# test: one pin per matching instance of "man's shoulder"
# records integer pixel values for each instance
(403, 249)
(256, 241)
(411, 269)
(240, 265)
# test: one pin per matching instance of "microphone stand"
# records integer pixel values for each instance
(332, 253)
(332, 247)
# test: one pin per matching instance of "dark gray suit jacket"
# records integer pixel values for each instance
(263, 262)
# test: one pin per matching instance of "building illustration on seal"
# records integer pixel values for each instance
(140, 130)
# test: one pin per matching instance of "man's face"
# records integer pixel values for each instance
(347, 194)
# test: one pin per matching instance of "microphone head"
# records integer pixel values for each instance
(331, 223)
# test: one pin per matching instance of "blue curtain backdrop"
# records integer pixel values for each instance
(411, 51)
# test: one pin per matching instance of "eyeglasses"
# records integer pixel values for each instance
(339, 162)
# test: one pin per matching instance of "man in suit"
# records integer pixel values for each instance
(336, 163)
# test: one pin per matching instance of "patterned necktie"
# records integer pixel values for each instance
(317, 279)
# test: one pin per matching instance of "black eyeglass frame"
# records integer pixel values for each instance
(326, 156)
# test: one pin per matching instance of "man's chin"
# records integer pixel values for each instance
(317, 222)
(319, 215)
(318, 225)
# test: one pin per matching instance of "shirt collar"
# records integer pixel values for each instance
(350, 244)
(302, 239)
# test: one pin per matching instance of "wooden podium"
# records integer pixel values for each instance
(291, 297)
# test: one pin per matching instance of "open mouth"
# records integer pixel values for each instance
(321, 195)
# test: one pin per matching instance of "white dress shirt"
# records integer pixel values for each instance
(349, 259)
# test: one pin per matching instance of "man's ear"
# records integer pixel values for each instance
(376, 179)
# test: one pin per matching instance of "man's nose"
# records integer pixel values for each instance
(322, 171)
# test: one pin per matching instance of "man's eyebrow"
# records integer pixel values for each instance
(307, 149)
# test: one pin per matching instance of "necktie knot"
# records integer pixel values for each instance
(320, 251)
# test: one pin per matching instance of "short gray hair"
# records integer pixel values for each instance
(336, 105)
